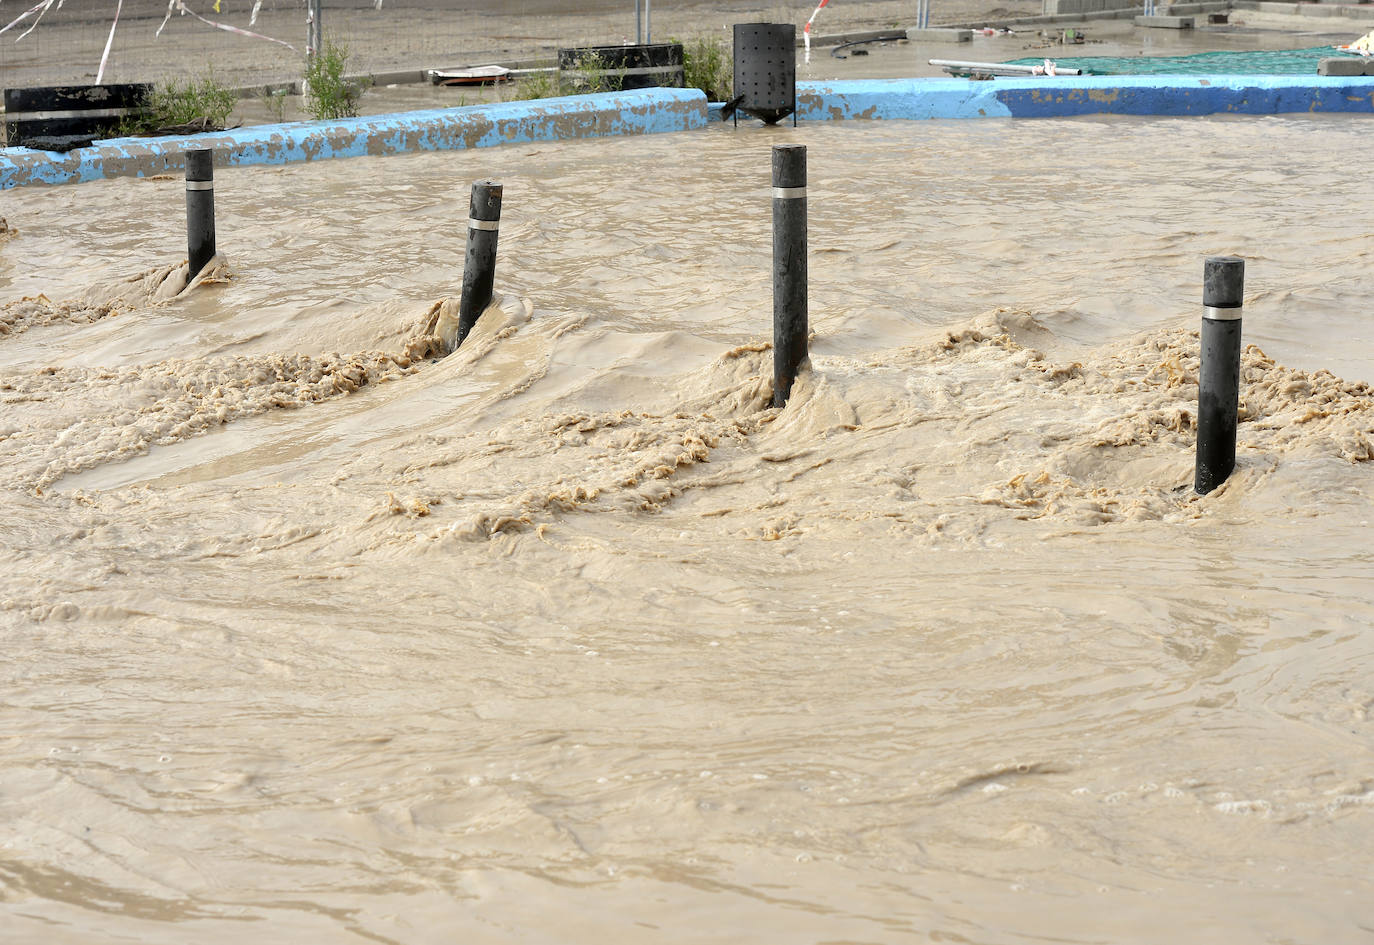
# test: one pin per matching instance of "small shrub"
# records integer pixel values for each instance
(708, 64)
(274, 101)
(589, 77)
(198, 105)
(532, 85)
(327, 93)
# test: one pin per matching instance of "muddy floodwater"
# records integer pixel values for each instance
(313, 636)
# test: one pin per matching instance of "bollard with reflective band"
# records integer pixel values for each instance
(1218, 401)
(200, 209)
(789, 267)
(479, 266)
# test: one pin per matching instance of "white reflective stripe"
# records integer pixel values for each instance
(200, 185)
(73, 113)
(489, 225)
(789, 193)
(1222, 314)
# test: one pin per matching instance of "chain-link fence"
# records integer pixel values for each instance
(1226, 62)
(254, 42)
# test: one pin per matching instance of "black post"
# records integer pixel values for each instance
(479, 266)
(1218, 398)
(200, 209)
(789, 267)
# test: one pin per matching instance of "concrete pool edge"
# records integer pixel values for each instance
(1067, 96)
(651, 111)
(644, 111)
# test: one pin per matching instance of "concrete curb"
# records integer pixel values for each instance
(1116, 13)
(650, 111)
(644, 111)
(1161, 22)
(918, 99)
(1352, 11)
(859, 36)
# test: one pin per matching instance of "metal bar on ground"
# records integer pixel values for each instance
(993, 68)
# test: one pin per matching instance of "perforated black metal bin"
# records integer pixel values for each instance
(766, 69)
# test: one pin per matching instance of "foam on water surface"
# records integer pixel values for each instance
(569, 632)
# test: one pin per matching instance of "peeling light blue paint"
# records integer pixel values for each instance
(912, 99)
(1064, 96)
(643, 111)
(651, 111)
(1187, 95)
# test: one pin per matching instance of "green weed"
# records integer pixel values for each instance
(175, 107)
(708, 64)
(590, 77)
(274, 101)
(593, 74)
(539, 84)
(327, 93)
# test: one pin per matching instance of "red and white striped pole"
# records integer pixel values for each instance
(806, 30)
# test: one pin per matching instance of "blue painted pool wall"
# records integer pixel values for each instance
(912, 99)
(1186, 95)
(649, 111)
(1066, 96)
(645, 111)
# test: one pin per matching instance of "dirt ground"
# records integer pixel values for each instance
(412, 35)
(66, 47)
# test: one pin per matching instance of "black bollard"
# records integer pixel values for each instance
(789, 267)
(479, 266)
(200, 209)
(1218, 397)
